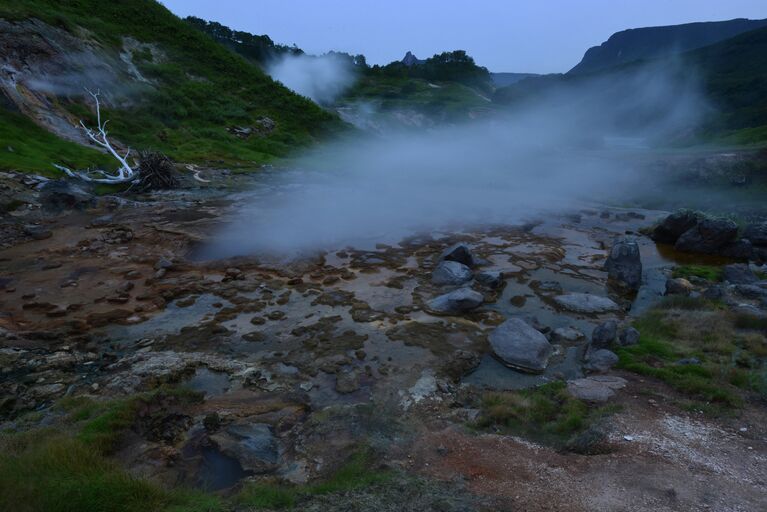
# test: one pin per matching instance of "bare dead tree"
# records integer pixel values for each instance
(99, 136)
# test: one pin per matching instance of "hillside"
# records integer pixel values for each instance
(165, 85)
(654, 42)
(506, 79)
(732, 75)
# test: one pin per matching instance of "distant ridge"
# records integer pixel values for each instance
(411, 60)
(653, 42)
(505, 79)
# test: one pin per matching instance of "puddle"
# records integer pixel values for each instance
(219, 471)
(170, 321)
(208, 382)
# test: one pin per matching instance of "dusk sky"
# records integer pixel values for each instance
(523, 36)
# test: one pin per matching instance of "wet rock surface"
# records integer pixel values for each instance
(520, 346)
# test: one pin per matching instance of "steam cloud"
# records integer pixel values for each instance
(550, 155)
(322, 79)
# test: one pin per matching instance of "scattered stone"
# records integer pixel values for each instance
(37, 232)
(604, 334)
(689, 361)
(546, 286)
(709, 236)
(739, 273)
(713, 293)
(624, 264)
(118, 235)
(586, 303)
(673, 226)
(566, 335)
(58, 195)
(451, 273)
(601, 360)
(460, 253)
(628, 337)
(456, 302)
(347, 382)
(491, 279)
(276, 315)
(163, 264)
(520, 346)
(756, 234)
(678, 286)
(750, 291)
(597, 388)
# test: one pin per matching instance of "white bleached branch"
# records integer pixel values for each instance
(99, 136)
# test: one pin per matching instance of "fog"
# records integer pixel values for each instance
(320, 78)
(544, 156)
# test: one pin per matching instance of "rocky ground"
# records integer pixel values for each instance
(297, 364)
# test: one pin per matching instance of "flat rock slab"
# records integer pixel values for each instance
(456, 302)
(598, 388)
(586, 303)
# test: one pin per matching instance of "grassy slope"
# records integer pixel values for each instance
(203, 87)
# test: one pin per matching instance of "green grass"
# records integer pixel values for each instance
(547, 414)
(356, 473)
(731, 359)
(28, 148)
(44, 471)
(708, 272)
(199, 88)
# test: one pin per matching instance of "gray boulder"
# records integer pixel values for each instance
(628, 337)
(451, 273)
(491, 279)
(624, 264)
(672, 227)
(460, 253)
(601, 360)
(750, 291)
(597, 388)
(520, 346)
(604, 334)
(713, 293)
(456, 302)
(586, 303)
(739, 273)
(756, 234)
(709, 236)
(61, 195)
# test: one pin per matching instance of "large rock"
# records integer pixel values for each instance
(63, 195)
(460, 253)
(628, 337)
(456, 302)
(624, 264)
(672, 227)
(604, 334)
(739, 273)
(520, 346)
(741, 250)
(756, 234)
(586, 303)
(709, 236)
(451, 273)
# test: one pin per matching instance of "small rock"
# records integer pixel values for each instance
(689, 361)
(491, 279)
(713, 293)
(586, 303)
(37, 232)
(460, 253)
(756, 234)
(629, 336)
(604, 334)
(597, 388)
(673, 226)
(678, 286)
(739, 273)
(347, 382)
(601, 360)
(163, 264)
(566, 335)
(456, 302)
(451, 273)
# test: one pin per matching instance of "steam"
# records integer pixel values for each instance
(322, 79)
(549, 155)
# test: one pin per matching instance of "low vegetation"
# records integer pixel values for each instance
(547, 414)
(713, 357)
(708, 272)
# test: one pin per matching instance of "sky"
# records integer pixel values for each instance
(532, 36)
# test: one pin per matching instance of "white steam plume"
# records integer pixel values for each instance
(321, 79)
